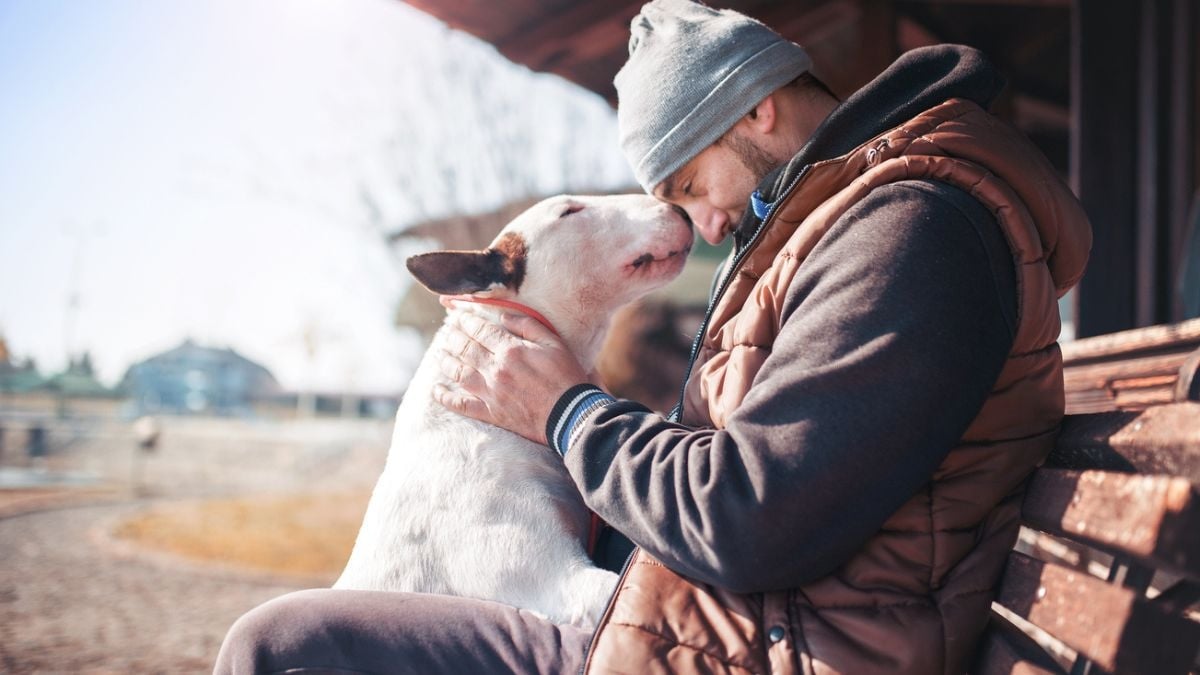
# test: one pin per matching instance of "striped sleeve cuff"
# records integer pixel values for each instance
(575, 405)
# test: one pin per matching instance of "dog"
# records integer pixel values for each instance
(468, 509)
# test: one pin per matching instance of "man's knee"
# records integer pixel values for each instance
(284, 633)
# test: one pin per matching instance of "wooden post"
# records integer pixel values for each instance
(1133, 154)
(1151, 259)
(1183, 137)
(1166, 143)
(1103, 159)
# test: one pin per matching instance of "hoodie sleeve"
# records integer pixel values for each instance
(894, 331)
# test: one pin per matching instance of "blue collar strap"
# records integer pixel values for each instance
(761, 206)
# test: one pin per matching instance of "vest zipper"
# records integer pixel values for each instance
(607, 610)
(677, 414)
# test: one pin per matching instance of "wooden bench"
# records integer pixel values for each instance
(1106, 574)
(1133, 370)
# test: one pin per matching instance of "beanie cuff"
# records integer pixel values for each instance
(734, 96)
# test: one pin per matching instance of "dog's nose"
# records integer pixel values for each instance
(684, 214)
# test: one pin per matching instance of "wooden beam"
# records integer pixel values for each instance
(878, 38)
(1153, 291)
(911, 34)
(812, 23)
(1103, 157)
(1111, 625)
(1182, 337)
(1178, 597)
(1164, 439)
(1133, 154)
(485, 20)
(1006, 650)
(1005, 3)
(1133, 369)
(1153, 519)
(1031, 112)
(588, 27)
(1132, 384)
(1182, 183)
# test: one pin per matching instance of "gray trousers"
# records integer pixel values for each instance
(332, 631)
(335, 631)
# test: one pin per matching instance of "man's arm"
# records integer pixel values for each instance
(894, 331)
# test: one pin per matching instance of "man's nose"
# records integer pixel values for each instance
(710, 223)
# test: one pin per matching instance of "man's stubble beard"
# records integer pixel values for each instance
(756, 160)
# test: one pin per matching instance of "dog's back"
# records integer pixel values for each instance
(468, 509)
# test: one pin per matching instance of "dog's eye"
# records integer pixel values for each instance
(571, 208)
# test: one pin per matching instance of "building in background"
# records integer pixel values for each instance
(16, 377)
(191, 379)
(78, 381)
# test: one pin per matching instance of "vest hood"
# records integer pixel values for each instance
(915, 82)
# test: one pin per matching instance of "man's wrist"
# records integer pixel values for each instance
(570, 411)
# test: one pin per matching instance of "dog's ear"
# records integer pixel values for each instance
(459, 272)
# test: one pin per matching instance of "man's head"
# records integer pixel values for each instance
(710, 101)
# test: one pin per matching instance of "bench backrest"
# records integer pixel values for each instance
(1107, 572)
(1133, 370)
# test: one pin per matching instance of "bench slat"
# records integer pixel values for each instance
(1154, 519)
(1005, 650)
(1160, 440)
(1133, 369)
(1173, 338)
(1133, 384)
(1108, 624)
(1178, 597)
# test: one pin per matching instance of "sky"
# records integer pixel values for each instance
(225, 170)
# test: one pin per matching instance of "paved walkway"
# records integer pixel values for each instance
(68, 606)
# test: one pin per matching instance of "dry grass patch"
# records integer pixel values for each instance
(17, 501)
(307, 535)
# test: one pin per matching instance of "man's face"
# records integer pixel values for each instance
(715, 186)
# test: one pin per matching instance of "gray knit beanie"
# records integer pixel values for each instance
(692, 73)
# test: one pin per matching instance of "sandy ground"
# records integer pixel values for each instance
(70, 604)
(74, 600)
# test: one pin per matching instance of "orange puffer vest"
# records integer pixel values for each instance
(915, 598)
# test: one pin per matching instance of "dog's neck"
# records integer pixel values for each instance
(584, 336)
(512, 304)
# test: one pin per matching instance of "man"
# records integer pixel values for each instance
(875, 378)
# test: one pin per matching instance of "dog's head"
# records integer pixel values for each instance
(574, 259)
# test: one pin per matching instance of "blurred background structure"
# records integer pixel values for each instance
(205, 206)
(1107, 90)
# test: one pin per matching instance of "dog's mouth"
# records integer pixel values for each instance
(648, 260)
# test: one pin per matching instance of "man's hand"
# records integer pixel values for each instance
(510, 376)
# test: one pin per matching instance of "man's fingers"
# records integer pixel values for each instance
(459, 370)
(486, 333)
(461, 403)
(528, 328)
(466, 348)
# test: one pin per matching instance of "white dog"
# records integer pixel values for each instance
(465, 508)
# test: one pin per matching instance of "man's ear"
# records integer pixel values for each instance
(762, 117)
(460, 272)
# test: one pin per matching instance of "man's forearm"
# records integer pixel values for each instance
(874, 376)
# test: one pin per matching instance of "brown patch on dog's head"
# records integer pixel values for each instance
(512, 247)
(460, 272)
